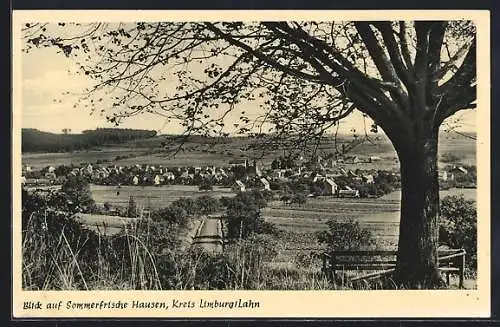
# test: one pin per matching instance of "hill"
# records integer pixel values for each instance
(33, 140)
(199, 150)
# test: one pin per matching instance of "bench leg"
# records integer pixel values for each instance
(461, 272)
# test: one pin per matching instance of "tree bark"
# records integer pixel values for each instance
(417, 262)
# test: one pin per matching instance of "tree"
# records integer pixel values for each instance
(131, 208)
(458, 226)
(345, 235)
(207, 205)
(299, 198)
(206, 185)
(172, 214)
(243, 215)
(77, 191)
(408, 77)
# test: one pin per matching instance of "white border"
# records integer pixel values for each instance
(444, 303)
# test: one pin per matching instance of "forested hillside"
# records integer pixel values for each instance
(34, 140)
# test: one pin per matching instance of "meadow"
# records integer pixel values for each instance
(208, 152)
(41, 160)
(380, 216)
(152, 196)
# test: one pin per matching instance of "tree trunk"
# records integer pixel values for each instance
(417, 265)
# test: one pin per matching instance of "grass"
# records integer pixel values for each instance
(41, 160)
(59, 254)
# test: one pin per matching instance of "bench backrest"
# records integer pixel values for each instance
(383, 259)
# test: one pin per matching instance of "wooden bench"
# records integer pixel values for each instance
(451, 261)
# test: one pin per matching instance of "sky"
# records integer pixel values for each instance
(46, 75)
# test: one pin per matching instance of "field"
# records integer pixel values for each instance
(380, 216)
(158, 197)
(202, 152)
(40, 160)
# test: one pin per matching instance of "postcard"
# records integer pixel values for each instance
(285, 164)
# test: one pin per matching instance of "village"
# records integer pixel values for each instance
(315, 177)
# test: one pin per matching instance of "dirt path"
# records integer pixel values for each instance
(209, 236)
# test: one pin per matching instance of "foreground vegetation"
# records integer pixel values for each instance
(61, 253)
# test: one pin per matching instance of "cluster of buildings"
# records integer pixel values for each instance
(241, 174)
(238, 174)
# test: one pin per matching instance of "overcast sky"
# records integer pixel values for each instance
(47, 75)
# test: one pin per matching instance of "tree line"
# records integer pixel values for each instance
(34, 140)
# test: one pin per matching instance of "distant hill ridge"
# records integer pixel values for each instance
(33, 140)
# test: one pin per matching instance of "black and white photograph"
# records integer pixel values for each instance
(324, 152)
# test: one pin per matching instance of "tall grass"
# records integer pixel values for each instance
(59, 254)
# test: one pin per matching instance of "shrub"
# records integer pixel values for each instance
(299, 199)
(458, 226)
(131, 208)
(206, 205)
(206, 185)
(243, 215)
(451, 158)
(172, 214)
(77, 191)
(345, 235)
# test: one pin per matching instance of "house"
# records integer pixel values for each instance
(23, 180)
(265, 184)
(135, 180)
(239, 186)
(351, 174)
(51, 169)
(258, 172)
(88, 169)
(374, 158)
(169, 176)
(50, 175)
(239, 162)
(349, 193)
(330, 186)
(157, 180)
(368, 179)
(352, 160)
(443, 175)
(458, 171)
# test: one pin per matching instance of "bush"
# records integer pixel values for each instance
(345, 235)
(243, 215)
(206, 185)
(172, 214)
(451, 158)
(77, 191)
(206, 205)
(458, 226)
(131, 208)
(299, 199)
